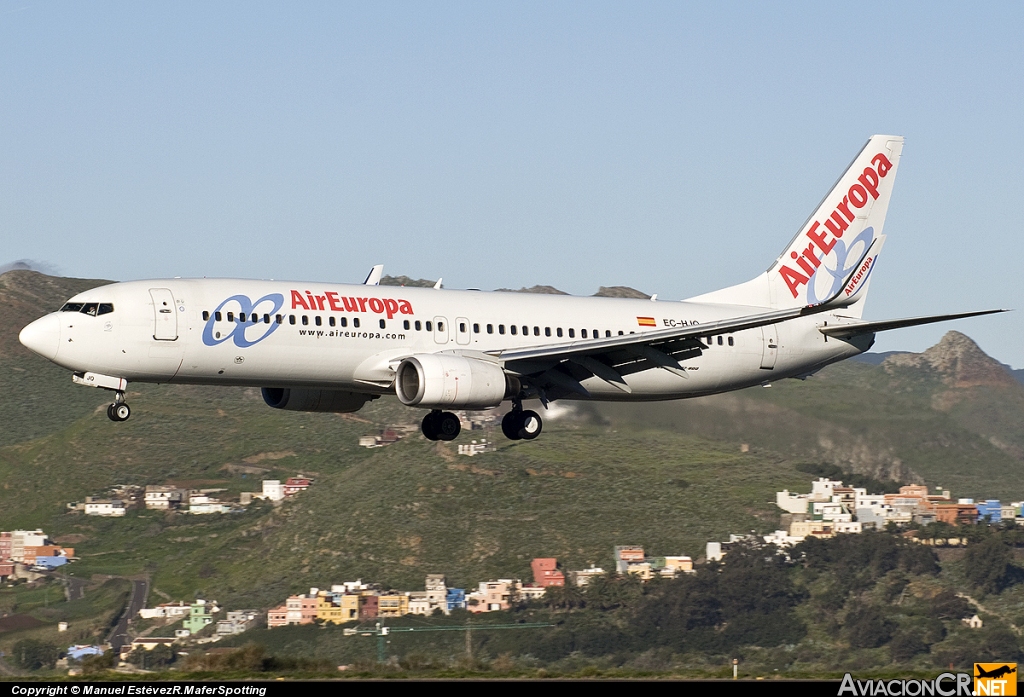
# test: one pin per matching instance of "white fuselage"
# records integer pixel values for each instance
(350, 337)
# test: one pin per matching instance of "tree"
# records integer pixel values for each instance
(33, 654)
(987, 565)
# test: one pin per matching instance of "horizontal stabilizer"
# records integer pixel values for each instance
(846, 331)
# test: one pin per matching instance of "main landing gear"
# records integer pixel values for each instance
(521, 425)
(441, 425)
(119, 410)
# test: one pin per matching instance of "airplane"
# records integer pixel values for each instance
(328, 347)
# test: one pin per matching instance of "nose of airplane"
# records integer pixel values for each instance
(42, 336)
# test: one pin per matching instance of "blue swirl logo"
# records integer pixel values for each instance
(249, 332)
(835, 276)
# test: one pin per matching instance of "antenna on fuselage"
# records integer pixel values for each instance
(373, 279)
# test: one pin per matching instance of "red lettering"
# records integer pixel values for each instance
(819, 239)
(404, 307)
(312, 300)
(793, 279)
(320, 301)
(882, 164)
(836, 224)
(811, 256)
(362, 304)
(802, 263)
(858, 196)
(332, 300)
(298, 301)
(391, 306)
(844, 208)
(870, 181)
(350, 305)
(376, 305)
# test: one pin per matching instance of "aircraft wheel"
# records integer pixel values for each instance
(121, 411)
(110, 412)
(509, 426)
(429, 425)
(530, 425)
(448, 426)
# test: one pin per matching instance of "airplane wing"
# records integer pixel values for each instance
(846, 331)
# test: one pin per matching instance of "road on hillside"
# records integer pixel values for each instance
(75, 588)
(136, 601)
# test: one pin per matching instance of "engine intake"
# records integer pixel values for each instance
(336, 401)
(433, 380)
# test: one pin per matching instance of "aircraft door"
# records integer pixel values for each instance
(462, 331)
(770, 346)
(165, 319)
(440, 330)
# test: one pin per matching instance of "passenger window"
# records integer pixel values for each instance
(490, 328)
(405, 324)
(206, 315)
(572, 333)
(440, 326)
(241, 317)
(217, 316)
(418, 325)
(719, 341)
(536, 331)
(583, 333)
(305, 320)
(558, 332)
(291, 319)
(383, 324)
(266, 319)
(279, 319)
(607, 332)
(231, 317)
(317, 320)
(514, 329)
(344, 321)
(501, 328)
(106, 308)
(620, 332)
(526, 330)
(355, 322)
(730, 341)
(462, 326)
(476, 328)
(72, 307)
(331, 321)
(429, 326)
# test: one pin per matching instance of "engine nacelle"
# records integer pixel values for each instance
(293, 399)
(435, 380)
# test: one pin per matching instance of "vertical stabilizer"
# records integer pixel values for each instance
(832, 242)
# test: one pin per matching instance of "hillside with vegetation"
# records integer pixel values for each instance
(668, 476)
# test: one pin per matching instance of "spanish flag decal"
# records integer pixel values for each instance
(646, 322)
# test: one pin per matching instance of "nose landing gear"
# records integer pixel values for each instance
(119, 410)
(441, 425)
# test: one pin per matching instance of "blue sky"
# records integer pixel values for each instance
(672, 147)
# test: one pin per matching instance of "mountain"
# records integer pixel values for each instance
(670, 476)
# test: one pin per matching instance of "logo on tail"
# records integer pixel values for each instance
(828, 238)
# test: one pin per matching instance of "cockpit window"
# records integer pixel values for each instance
(91, 309)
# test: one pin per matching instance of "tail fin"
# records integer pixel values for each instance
(821, 258)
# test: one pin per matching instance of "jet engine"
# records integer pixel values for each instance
(335, 401)
(435, 380)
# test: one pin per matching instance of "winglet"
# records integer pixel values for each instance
(437, 286)
(373, 279)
